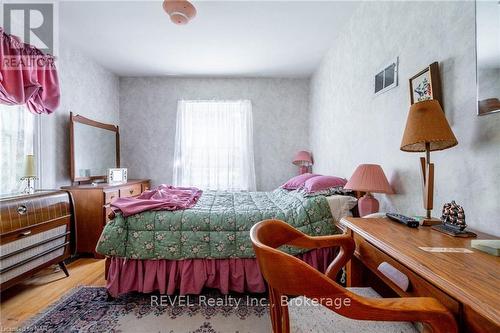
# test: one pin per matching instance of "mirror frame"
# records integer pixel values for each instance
(86, 121)
(480, 111)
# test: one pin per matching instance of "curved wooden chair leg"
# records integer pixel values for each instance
(272, 310)
(280, 319)
(285, 318)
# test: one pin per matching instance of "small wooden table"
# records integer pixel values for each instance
(466, 283)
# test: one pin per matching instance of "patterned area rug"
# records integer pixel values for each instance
(86, 309)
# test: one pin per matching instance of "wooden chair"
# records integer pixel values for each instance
(290, 276)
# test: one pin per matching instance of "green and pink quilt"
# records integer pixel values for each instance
(217, 227)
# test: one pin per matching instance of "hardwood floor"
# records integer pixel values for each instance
(26, 299)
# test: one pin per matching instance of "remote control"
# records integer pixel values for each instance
(408, 221)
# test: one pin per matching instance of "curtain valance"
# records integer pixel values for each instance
(27, 76)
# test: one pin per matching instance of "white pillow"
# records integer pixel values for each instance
(341, 205)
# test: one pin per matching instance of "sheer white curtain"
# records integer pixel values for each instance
(17, 138)
(214, 145)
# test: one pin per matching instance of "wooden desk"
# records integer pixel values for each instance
(466, 283)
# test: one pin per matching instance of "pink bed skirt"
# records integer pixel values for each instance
(190, 276)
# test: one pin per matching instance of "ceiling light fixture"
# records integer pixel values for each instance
(180, 11)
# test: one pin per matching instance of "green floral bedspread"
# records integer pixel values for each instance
(216, 227)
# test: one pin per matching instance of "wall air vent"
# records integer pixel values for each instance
(387, 78)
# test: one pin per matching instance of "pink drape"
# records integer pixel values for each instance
(27, 76)
(190, 276)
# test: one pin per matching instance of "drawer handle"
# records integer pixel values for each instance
(22, 210)
(394, 275)
(26, 233)
(112, 197)
(130, 191)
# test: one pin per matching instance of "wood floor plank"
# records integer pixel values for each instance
(23, 301)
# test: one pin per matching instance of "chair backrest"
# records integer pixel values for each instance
(283, 272)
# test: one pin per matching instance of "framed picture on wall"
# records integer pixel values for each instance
(426, 85)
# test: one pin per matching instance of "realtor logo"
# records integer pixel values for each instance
(33, 23)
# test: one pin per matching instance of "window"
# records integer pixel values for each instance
(214, 145)
(18, 130)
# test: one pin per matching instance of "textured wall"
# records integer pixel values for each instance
(148, 108)
(86, 89)
(349, 125)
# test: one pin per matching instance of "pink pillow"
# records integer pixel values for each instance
(298, 181)
(321, 183)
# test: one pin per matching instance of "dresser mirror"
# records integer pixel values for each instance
(488, 56)
(95, 148)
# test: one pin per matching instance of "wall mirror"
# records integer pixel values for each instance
(95, 147)
(488, 56)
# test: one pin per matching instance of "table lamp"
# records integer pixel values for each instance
(369, 178)
(427, 130)
(303, 159)
(29, 173)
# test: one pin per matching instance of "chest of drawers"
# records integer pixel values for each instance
(35, 232)
(92, 207)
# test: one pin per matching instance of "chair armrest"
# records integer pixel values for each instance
(317, 242)
(345, 242)
(278, 233)
(410, 309)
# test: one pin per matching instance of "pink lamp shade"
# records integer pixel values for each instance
(368, 178)
(303, 159)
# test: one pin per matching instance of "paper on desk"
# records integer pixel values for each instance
(446, 249)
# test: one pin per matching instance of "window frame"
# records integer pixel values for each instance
(37, 146)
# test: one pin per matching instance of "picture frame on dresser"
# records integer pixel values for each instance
(117, 175)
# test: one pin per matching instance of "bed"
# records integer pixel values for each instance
(208, 245)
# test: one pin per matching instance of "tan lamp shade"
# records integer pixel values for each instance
(29, 166)
(427, 123)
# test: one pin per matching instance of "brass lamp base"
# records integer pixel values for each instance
(431, 221)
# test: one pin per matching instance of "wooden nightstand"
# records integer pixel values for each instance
(466, 283)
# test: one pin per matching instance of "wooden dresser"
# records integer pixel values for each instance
(92, 206)
(468, 284)
(35, 232)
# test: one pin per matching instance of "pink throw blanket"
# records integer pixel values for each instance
(162, 197)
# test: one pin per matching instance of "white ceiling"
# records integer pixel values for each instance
(226, 38)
